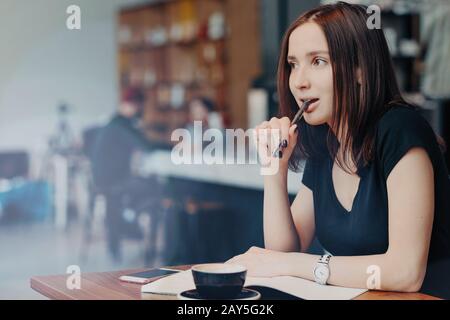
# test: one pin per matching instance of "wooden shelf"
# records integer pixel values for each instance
(149, 47)
(183, 57)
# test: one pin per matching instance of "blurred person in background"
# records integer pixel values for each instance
(112, 158)
(200, 109)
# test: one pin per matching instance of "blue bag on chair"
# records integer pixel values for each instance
(31, 200)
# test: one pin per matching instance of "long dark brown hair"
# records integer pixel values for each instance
(352, 45)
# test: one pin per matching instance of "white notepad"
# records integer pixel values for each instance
(304, 289)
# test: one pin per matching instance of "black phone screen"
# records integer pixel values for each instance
(151, 273)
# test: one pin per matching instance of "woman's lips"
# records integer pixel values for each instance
(312, 106)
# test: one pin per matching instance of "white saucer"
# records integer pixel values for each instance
(246, 294)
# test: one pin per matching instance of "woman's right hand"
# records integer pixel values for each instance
(275, 141)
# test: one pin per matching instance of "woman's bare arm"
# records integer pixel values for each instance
(286, 228)
(302, 210)
(401, 268)
(411, 211)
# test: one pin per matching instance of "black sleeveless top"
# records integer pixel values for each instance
(364, 230)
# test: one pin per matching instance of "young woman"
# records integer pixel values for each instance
(375, 189)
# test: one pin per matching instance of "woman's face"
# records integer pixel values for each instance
(311, 72)
(198, 111)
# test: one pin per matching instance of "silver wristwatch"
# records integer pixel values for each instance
(322, 270)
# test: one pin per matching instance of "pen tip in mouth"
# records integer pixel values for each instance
(309, 101)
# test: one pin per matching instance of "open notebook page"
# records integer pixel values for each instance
(304, 289)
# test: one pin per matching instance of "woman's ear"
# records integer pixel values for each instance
(358, 76)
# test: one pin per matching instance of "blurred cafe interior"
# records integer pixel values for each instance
(87, 116)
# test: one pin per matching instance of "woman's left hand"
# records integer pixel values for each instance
(262, 262)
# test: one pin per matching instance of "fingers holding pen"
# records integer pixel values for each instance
(284, 127)
(262, 141)
(288, 137)
(293, 134)
(275, 139)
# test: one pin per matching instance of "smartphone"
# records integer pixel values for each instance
(147, 276)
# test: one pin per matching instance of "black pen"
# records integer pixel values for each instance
(300, 112)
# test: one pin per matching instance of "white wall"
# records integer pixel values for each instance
(42, 63)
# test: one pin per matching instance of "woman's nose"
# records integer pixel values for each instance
(301, 80)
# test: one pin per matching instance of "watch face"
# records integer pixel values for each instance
(321, 273)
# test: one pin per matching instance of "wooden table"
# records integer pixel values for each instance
(107, 286)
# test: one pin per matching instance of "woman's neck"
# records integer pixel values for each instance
(344, 156)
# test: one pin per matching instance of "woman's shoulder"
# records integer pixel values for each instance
(403, 120)
(401, 128)
(401, 114)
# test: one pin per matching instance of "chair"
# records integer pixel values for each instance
(14, 164)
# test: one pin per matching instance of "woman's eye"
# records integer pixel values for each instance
(319, 62)
(293, 65)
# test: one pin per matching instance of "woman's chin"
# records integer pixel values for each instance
(312, 120)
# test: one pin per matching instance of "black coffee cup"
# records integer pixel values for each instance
(219, 280)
